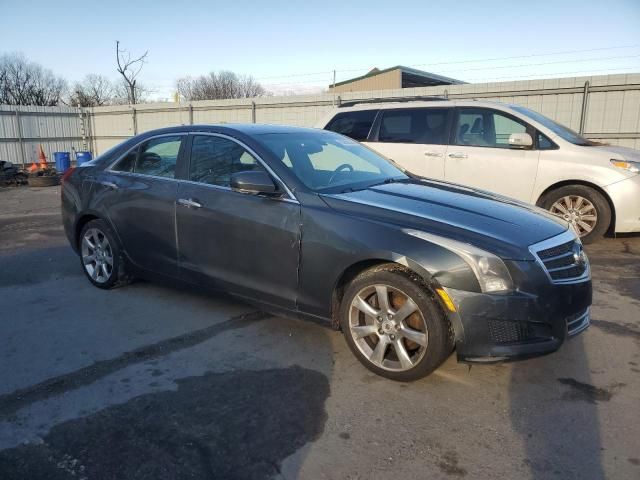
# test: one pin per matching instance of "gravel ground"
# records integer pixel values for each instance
(160, 382)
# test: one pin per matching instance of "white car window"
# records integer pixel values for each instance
(480, 127)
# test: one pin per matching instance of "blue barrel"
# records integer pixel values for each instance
(63, 161)
(82, 157)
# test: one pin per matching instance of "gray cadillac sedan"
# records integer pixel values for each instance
(312, 224)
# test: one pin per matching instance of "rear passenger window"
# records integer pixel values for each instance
(158, 157)
(415, 125)
(214, 159)
(353, 124)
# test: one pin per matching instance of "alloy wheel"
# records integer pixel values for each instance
(388, 328)
(97, 255)
(578, 211)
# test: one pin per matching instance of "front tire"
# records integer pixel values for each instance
(101, 256)
(393, 325)
(584, 207)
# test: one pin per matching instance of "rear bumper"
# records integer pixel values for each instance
(625, 196)
(492, 328)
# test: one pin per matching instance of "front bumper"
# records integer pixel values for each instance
(493, 328)
(625, 196)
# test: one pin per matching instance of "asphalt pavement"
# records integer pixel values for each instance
(158, 382)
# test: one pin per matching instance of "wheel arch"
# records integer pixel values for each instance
(85, 218)
(80, 223)
(353, 270)
(566, 183)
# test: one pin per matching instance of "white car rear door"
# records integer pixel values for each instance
(415, 138)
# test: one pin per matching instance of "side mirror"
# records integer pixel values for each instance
(256, 182)
(520, 140)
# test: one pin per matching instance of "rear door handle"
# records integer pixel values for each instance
(433, 154)
(189, 202)
(457, 155)
(110, 185)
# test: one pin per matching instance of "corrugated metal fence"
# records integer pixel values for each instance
(24, 128)
(606, 108)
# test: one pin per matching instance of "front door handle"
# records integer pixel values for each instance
(189, 202)
(110, 185)
(433, 154)
(457, 155)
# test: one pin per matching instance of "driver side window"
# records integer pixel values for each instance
(214, 159)
(479, 127)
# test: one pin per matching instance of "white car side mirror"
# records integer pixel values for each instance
(520, 140)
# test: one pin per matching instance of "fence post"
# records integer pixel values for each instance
(253, 111)
(83, 128)
(20, 140)
(583, 113)
(190, 114)
(134, 121)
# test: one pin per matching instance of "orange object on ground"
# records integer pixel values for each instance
(42, 158)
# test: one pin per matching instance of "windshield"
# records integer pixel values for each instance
(557, 128)
(328, 162)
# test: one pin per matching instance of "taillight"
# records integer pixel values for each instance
(67, 174)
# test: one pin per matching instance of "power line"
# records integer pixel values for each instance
(544, 63)
(535, 77)
(517, 56)
(329, 72)
(526, 77)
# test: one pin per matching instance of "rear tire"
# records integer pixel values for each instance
(405, 340)
(101, 256)
(586, 208)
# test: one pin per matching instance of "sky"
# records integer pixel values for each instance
(295, 46)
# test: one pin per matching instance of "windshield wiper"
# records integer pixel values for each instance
(382, 182)
(387, 181)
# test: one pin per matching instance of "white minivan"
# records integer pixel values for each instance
(507, 149)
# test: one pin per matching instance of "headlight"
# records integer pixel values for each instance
(633, 167)
(491, 272)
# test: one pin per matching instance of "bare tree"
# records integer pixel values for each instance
(129, 69)
(27, 83)
(122, 93)
(93, 91)
(215, 86)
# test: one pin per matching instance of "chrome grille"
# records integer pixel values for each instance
(561, 258)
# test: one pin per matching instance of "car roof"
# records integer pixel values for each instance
(249, 129)
(421, 104)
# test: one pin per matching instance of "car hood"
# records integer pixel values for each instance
(494, 223)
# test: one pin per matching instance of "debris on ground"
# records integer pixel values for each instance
(11, 174)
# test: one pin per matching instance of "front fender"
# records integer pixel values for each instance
(333, 244)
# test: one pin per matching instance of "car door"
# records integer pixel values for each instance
(138, 194)
(415, 138)
(248, 244)
(480, 156)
